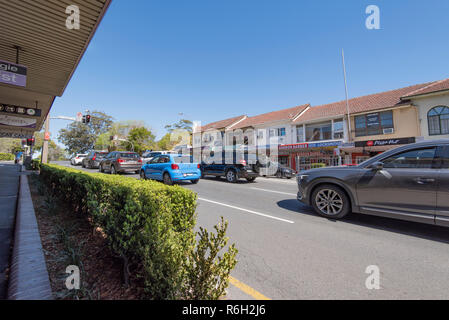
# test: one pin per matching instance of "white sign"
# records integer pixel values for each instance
(7, 120)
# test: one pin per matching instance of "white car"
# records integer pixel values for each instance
(77, 159)
(148, 155)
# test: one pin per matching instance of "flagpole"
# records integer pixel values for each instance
(346, 92)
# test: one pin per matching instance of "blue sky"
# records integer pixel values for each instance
(211, 60)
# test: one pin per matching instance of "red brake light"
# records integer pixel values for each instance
(139, 161)
(198, 166)
(243, 162)
(174, 166)
(95, 156)
(120, 160)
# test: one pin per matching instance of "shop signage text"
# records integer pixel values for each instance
(13, 74)
(7, 120)
(310, 145)
(8, 108)
(385, 142)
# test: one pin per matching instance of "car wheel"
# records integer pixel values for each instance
(100, 168)
(195, 181)
(231, 176)
(82, 165)
(167, 179)
(330, 201)
(142, 175)
(113, 171)
(289, 177)
(252, 179)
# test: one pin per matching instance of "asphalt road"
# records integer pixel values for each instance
(287, 252)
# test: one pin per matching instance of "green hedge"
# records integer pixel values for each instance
(6, 157)
(150, 225)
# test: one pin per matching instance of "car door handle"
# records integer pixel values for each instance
(424, 180)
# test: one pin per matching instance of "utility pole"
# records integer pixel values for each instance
(346, 92)
(45, 144)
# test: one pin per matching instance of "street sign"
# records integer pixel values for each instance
(13, 74)
(47, 136)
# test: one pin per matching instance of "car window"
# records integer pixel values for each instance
(183, 159)
(128, 155)
(445, 158)
(154, 160)
(164, 159)
(418, 158)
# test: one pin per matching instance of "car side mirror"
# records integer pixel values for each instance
(377, 166)
(148, 162)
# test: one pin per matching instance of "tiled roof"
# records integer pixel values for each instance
(432, 87)
(284, 114)
(222, 123)
(362, 104)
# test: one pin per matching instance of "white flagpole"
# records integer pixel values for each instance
(346, 92)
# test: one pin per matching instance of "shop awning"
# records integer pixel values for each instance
(34, 37)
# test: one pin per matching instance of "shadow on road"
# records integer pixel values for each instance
(420, 230)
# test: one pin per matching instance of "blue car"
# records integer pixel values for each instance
(171, 168)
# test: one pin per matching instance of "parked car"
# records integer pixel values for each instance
(93, 159)
(408, 183)
(148, 155)
(121, 161)
(77, 159)
(282, 171)
(232, 172)
(171, 168)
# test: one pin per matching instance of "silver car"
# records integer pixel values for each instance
(408, 183)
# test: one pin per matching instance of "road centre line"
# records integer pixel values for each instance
(247, 289)
(246, 210)
(286, 193)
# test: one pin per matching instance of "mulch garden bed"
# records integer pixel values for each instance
(70, 239)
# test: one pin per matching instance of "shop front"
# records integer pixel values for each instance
(366, 149)
(304, 156)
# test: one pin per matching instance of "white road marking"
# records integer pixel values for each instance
(286, 193)
(246, 210)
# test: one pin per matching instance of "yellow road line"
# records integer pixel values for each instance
(247, 289)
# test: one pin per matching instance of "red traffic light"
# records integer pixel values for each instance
(88, 118)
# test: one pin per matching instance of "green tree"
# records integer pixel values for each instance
(165, 143)
(81, 137)
(8, 145)
(182, 124)
(141, 139)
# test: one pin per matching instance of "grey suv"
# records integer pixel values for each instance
(121, 161)
(409, 183)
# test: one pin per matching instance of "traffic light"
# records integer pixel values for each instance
(88, 118)
(30, 142)
(84, 119)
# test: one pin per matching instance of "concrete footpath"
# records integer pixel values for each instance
(9, 188)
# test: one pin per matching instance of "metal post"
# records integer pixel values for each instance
(346, 92)
(45, 144)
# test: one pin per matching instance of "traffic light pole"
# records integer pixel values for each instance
(44, 158)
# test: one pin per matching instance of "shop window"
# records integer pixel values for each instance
(319, 131)
(338, 129)
(374, 124)
(299, 134)
(438, 119)
(281, 132)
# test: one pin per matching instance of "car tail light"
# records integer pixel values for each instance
(120, 160)
(243, 162)
(95, 156)
(139, 161)
(77, 157)
(198, 166)
(174, 166)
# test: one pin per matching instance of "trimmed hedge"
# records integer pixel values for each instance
(6, 157)
(151, 226)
